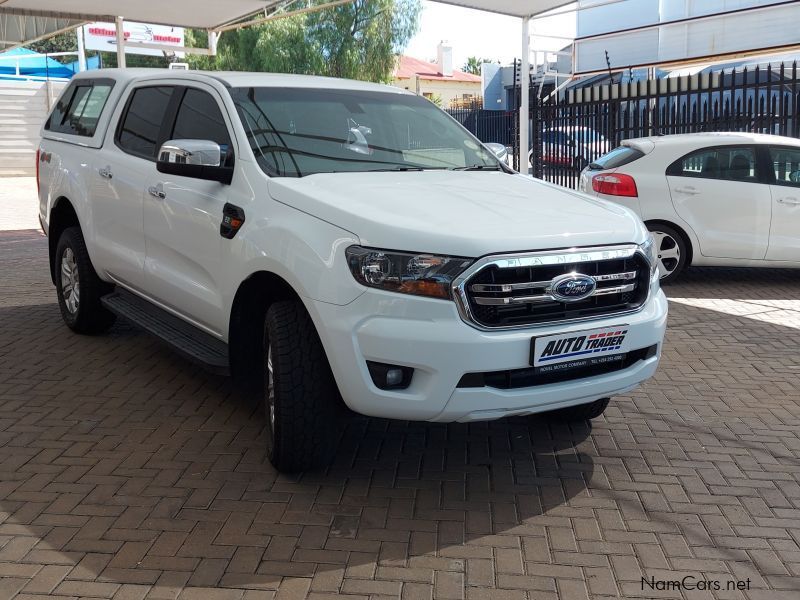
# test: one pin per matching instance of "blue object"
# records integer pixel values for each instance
(92, 62)
(33, 64)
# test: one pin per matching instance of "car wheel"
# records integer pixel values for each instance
(300, 394)
(583, 412)
(78, 287)
(670, 250)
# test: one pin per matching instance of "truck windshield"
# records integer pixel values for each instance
(296, 132)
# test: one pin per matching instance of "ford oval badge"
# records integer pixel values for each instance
(572, 287)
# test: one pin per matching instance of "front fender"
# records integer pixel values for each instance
(306, 252)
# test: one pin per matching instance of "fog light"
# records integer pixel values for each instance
(394, 377)
(390, 377)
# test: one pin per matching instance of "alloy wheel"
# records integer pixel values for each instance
(70, 281)
(668, 252)
(270, 390)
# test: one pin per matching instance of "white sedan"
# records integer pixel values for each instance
(710, 199)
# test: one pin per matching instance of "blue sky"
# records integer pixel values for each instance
(475, 33)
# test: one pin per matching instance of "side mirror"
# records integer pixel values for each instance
(499, 150)
(199, 159)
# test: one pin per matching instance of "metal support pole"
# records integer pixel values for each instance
(120, 43)
(524, 108)
(81, 49)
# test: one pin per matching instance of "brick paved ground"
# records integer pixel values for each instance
(18, 206)
(127, 473)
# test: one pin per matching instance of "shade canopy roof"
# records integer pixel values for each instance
(200, 14)
(24, 21)
(514, 8)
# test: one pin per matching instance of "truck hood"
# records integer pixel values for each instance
(458, 213)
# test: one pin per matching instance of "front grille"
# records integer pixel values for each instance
(517, 291)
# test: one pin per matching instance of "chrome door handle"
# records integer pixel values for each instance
(156, 192)
(789, 200)
(687, 190)
(106, 172)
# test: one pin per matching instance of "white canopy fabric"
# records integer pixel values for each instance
(514, 8)
(200, 14)
(210, 14)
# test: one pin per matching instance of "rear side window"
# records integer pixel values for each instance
(79, 109)
(140, 127)
(618, 157)
(731, 163)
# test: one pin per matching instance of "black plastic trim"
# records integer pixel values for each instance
(189, 341)
(528, 377)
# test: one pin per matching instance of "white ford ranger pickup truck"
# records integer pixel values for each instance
(340, 242)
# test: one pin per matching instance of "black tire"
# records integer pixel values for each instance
(82, 312)
(668, 239)
(301, 416)
(583, 412)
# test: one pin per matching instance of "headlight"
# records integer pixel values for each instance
(405, 273)
(648, 247)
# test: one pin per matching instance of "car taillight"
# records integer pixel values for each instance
(38, 158)
(615, 184)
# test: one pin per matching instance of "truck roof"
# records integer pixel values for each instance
(243, 79)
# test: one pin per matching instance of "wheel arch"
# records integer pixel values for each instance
(686, 238)
(253, 297)
(62, 216)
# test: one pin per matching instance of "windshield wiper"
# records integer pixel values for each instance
(405, 168)
(478, 168)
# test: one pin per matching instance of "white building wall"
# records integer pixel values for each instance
(775, 25)
(24, 106)
(448, 90)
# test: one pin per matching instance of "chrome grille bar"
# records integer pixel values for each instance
(511, 287)
(620, 289)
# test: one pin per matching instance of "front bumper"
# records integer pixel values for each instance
(429, 335)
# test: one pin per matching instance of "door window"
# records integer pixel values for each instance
(141, 125)
(730, 163)
(199, 118)
(786, 163)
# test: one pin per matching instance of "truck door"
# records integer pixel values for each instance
(126, 162)
(182, 218)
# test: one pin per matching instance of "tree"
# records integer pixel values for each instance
(436, 99)
(473, 64)
(359, 40)
(63, 42)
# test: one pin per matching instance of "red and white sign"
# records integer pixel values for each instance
(103, 37)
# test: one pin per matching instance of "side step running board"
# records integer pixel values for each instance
(187, 340)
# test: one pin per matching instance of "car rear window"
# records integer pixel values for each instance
(79, 109)
(618, 157)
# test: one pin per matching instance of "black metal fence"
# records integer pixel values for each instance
(570, 130)
(487, 125)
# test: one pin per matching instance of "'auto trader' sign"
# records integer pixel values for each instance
(103, 37)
